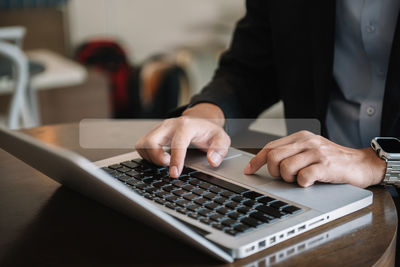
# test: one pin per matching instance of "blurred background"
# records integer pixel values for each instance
(66, 60)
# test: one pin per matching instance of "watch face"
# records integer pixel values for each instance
(389, 145)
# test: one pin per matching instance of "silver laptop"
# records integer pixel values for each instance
(221, 211)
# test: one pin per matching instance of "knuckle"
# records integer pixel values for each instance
(273, 157)
(305, 133)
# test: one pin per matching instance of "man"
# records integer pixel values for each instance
(337, 61)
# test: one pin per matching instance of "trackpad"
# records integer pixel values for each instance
(232, 168)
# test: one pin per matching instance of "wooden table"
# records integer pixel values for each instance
(45, 224)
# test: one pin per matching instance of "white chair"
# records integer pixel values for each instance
(23, 110)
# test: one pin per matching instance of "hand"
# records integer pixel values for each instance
(205, 133)
(306, 158)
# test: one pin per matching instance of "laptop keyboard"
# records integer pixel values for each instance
(212, 201)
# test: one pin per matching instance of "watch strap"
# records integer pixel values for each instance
(392, 176)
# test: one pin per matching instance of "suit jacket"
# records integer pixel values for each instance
(283, 50)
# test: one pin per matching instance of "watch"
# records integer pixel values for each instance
(388, 149)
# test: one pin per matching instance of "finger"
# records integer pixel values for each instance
(290, 167)
(277, 155)
(261, 158)
(179, 145)
(218, 148)
(310, 174)
(272, 156)
(150, 147)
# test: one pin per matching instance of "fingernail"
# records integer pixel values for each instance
(215, 157)
(247, 169)
(173, 171)
(166, 159)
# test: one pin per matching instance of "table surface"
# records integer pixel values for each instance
(43, 223)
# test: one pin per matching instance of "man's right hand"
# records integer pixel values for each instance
(201, 126)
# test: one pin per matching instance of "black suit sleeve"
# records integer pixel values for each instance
(244, 83)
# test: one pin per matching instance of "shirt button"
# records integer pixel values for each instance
(370, 111)
(370, 28)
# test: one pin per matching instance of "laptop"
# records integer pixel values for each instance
(223, 212)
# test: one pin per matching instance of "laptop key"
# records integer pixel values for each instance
(199, 191)
(160, 184)
(249, 203)
(151, 190)
(187, 170)
(161, 201)
(181, 210)
(115, 166)
(226, 194)
(123, 169)
(162, 194)
(193, 207)
(201, 201)
(278, 204)
(178, 183)
(236, 215)
(222, 200)
(188, 187)
(130, 164)
(195, 182)
(185, 178)
(291, 209)
(205, 212)
(216, 190)
(243, 209)
(190, 196)
(107, 170)
(133, 173)
(194, 215)
(206, 220)
(232, 205)
(238, 199)
(205, 185)
(210, 195)
(172, 198)
(141, 186)
(266, 200)
(170, 205)
(242, 227)
(270, 211)
(260, 216)
(180, 192)
(218, 226)
(116, 174)
(252, 195)
(216, 217)
(252, 222)
(223, 210)
(124, 178)
(170, 188)
(212, 205)
(229, 222)
(182, 202)
(231, 232)
(219, 182)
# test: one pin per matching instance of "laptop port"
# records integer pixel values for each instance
(290, 233)
(272, 240)
(301, 228)
(261, 244)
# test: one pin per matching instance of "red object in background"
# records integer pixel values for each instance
(109, 57)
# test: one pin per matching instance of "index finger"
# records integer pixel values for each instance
(179, 145)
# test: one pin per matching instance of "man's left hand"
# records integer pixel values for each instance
(307, 158)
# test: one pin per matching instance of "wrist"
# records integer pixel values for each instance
(206, 111)
(377, 165)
